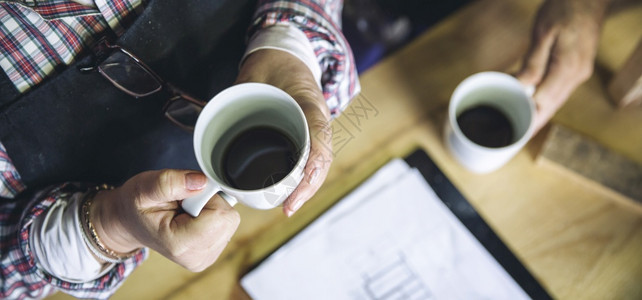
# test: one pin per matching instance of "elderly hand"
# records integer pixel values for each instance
(145, 211)
(285, 71)
(562, 52)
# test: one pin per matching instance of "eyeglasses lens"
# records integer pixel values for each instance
(128, 75)
(183, 112)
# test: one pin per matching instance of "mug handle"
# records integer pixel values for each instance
(193, 205)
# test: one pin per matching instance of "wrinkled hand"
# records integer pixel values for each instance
(562, 52)
(145, 212)
(285, 71)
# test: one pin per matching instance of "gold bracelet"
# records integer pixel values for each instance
(90, 236)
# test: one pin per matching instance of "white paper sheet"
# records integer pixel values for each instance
(391, 238)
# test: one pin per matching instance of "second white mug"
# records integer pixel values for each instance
(499, 94)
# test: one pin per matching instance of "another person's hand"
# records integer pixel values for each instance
(562, 52)
(146, 211)
(287, 72)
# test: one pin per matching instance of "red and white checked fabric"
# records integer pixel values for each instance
(37, 39)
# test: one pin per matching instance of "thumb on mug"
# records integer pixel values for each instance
(169, 184)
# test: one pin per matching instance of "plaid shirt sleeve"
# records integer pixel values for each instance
(10, 183)
(21, 278)
(320, 21)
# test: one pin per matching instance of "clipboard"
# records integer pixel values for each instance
(272, 266)
(466, 213)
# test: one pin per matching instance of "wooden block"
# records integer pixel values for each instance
(594, 165)
(626, 86)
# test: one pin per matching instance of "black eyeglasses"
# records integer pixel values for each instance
(132, 76)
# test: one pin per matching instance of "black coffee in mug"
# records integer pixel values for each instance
(258, 157)
(486, 126)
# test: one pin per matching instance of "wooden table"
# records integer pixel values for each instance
(577, 242)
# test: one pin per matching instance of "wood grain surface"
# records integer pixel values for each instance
(596, 166)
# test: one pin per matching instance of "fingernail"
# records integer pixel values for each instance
(195, 181)
(314, 176)
(296, 207)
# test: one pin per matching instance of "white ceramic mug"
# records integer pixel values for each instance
(231, 112)
(502, 92)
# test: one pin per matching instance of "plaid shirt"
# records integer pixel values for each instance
(320, 20)
(37, 40)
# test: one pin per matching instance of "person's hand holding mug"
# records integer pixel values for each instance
(562, 52)
(145, 212)
(285, 71)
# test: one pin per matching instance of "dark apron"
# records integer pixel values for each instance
(79, 127)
